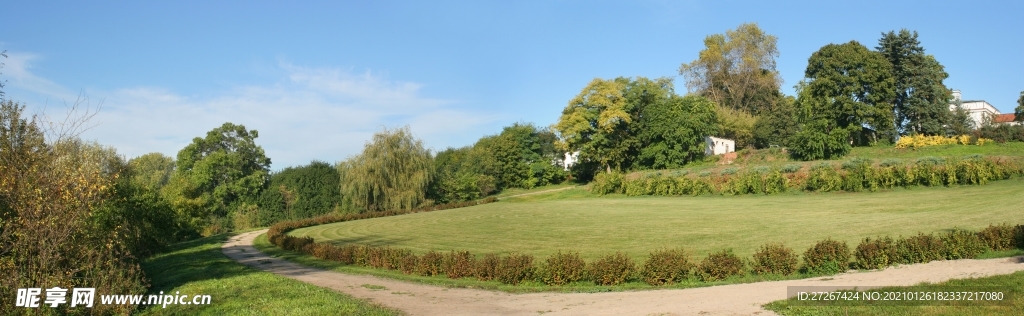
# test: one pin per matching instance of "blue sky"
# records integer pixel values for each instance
(317, 79)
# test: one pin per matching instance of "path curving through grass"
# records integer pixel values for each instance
(735, 299)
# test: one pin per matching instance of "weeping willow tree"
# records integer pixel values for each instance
(393, 172)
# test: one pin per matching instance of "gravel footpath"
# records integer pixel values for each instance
(735, 299)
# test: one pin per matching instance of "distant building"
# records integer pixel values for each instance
(977, 109)
(1005, 119)
(570, 159)
(717, 146)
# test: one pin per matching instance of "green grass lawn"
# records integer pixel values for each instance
(199, 268)
(1011, 285)
(776, 158)
(594, 226)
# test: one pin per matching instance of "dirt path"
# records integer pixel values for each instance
(736, 299)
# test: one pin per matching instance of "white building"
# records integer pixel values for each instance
(570, 159)
(717, 146)
(977, 109)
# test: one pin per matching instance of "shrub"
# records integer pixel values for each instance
(824, 179)
(611, 269)
(607, 183)
(431, 263)
(487, 268)
(563, 268)
(961, 244)
(918, 249)
(791, 168)
(998, 237)
(876, 253)
(728, 171)
(827, 257)
(720, 265)
(515, 268)
(459, 264)
(409, 264)
(774, 259)
(666, 266)
(1018, 236)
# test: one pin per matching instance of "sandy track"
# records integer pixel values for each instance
(736, 299)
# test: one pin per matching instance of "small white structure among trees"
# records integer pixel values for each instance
(717, 146)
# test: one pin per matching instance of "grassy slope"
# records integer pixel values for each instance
(1012, 285)
(596, 226)
(776, 158)
(199, 267)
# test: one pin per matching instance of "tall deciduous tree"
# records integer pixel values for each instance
(671, 130)
(218, 173)
(596, 123)
(852, 88)
(921, 99)
(300, 192)
(393, 172)
(152, 170)
(736, 69)
(1019, 111)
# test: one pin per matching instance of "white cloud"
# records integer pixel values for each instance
(311, 113)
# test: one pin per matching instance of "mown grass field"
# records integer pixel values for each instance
(1011, 285)
(576, 221)
(199, 268)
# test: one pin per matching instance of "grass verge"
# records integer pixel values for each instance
(199, 267)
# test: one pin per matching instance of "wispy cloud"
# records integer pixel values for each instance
(310, 113)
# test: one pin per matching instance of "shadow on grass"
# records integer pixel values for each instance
(191, 261)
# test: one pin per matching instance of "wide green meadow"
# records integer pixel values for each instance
(574, 220)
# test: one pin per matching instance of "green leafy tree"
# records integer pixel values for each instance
(152, 170)
(596, 123)
(960, 122)
(300, 192)
(777, 126)
(393, 172)
(851, 88)
(217, 174)
(737, 69)
(921, 100)
(1019, 111)
(737, 125)
(670, 129)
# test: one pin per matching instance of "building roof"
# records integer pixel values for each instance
(1003, 118)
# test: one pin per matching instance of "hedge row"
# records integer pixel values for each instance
(667, 265)
(853, 175)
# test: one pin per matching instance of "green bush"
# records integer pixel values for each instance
(774, 259)
(515, 268)
(827, 257)
(409, 264)
(431, 263)
(607, 183)
(961, 244)
(720, 265)
(1018, 236)
(998, 237)
(459, 264)
(487, 268)
(611, 269)
(791, 168)
(824, 179)
(563, 268)
(666, 266)
(876, 253)
(918, 249)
